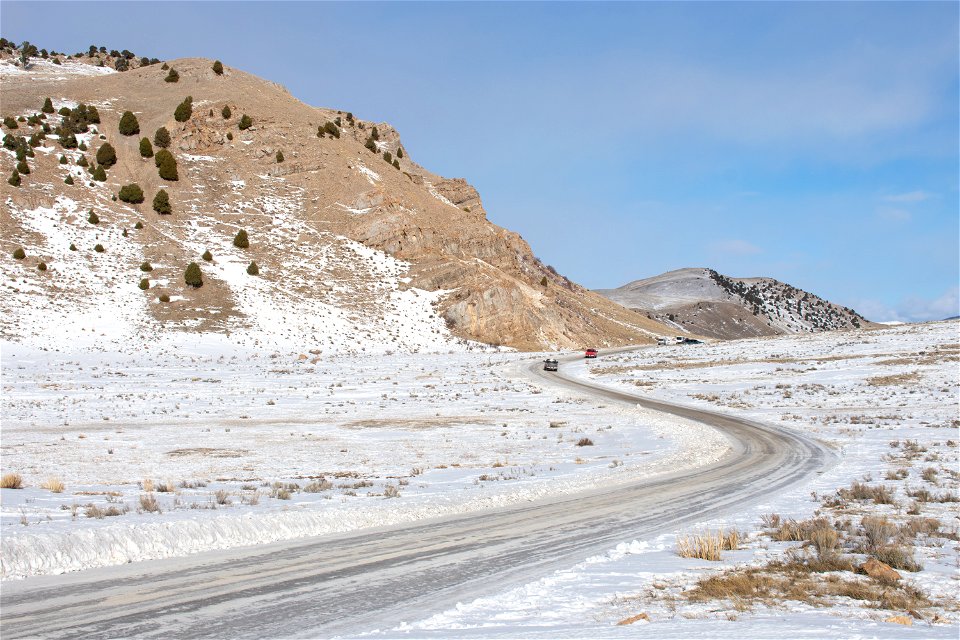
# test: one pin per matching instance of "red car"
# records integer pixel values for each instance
(591, 353)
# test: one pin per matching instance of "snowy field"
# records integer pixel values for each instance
(179, 448)
(886, 400)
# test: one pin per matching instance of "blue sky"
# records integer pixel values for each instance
(816, 143)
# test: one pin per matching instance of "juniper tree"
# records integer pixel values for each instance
(279, 156)
(226, 113)
(241, 240)
(47, 106)
(167, 165)
(93, 218)
(162, 138)
(218, 67)
(192, 275)
(19, 253)
(173, 76)
(245, 122)
(253, 269)
(146, 149)
(106, 155)
(68, 180)
(14, 180)
(128, 124)
(99, 174)
(184, 110)
(207, 256)
(131, 193)
(161, 202)
(23, 167)
(144, 284)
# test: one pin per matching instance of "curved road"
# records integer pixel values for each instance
(377, 578)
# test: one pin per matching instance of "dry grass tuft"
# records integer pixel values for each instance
(584, 442)
(880, 494)
(149, 503)
(54, 484)
(147, 485)
(707, 546)
(11, 481)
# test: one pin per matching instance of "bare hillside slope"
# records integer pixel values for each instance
(353, 240)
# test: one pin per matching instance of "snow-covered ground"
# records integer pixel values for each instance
(239, 447)
(236, 446)
(886, 400)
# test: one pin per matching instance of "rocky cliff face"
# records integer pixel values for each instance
(354, 186)
(707, 303)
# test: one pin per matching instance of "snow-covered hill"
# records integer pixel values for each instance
(707, 303)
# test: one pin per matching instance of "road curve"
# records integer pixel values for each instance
(377, 578)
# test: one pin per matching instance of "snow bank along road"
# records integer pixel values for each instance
(378, 578)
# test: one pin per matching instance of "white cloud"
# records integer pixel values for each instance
(911, 196)
(735, 247)
(892, 214)
(912, 309)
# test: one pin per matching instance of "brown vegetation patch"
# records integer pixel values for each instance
(415, 424)
(781, 581)
(894, 380)
(208, 452)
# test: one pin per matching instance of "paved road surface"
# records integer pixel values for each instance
(349, 583)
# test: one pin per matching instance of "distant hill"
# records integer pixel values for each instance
(707, 303)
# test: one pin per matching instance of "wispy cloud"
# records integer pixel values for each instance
(893, 214)
(912, 309)
(910, 196)
(735, 247)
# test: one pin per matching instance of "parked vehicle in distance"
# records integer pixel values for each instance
(550, 364)
(691, 341)
(590, 353)
(662, 341)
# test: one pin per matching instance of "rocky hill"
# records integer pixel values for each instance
(707, 303)
(351, 244)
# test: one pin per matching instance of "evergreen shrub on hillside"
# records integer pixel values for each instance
(207, 256)
(131, 193)
(161, 138)
(253, 269)
(184, 110)
(47, 106)
(63, 159)
(19, 253)
(99, 174)
(226, 113)
(99, 248)
(10, 123)
(68, 180)
(146, 266)
(42, 266)
(241, 240)
(173, 76)
(146, 149)
(229, 136)
(399, 152)
(387, 156)
(192, 275)
(164, 297)
(144, 284)
(279, 156)
(93, 218)
(23, 167)
(128, 124)
(106, 155)
(245, 122)
(14, 180)
(161, 203)
(396, 163)
(218, 67)
(138, 226)
(167, 165)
